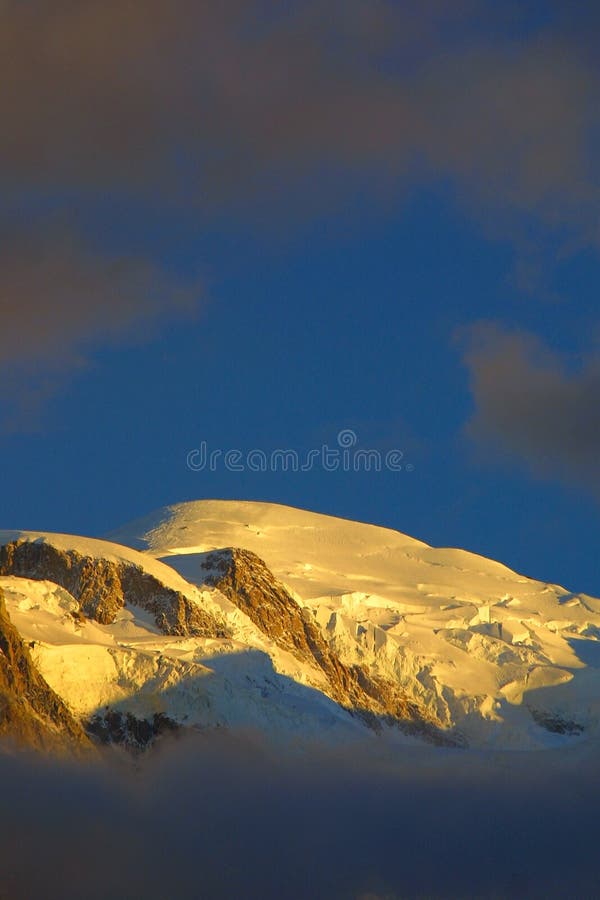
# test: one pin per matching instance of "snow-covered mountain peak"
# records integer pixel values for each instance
(237, 613)
(504, 657)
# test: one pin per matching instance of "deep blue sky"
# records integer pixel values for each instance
(327, 300)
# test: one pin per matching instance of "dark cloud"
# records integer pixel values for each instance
(56, 294)
(536, 405)
(226, 817)
(193, 99)
(59, 300)
(209, 105)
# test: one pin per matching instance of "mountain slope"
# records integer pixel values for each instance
(30, 712)
(103, 582)
(117, 633)
(508, 660)
(245, 579)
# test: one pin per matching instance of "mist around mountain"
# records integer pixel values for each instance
(221, 816)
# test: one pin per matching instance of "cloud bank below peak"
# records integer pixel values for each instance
(225, 816)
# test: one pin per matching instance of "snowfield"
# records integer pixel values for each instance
(130, 666)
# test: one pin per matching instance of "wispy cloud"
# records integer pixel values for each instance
(57, 294)
(59, 300)
(536, 405)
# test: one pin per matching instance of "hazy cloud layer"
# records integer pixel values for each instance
(228, 818)
(536, 405)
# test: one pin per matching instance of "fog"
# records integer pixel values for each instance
(229, 817)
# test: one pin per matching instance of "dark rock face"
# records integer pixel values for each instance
(555, 723)
(102, 587)
(126, 730)
(247, 581)
(30, 712)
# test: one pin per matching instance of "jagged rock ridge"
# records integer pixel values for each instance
(246, 580)
(102, 587)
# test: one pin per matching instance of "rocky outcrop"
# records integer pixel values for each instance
(247, 581)
(31, 714)
(128, 731)
(555, 723)
(102, 587)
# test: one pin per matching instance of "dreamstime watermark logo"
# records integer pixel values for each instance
(345, 457)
